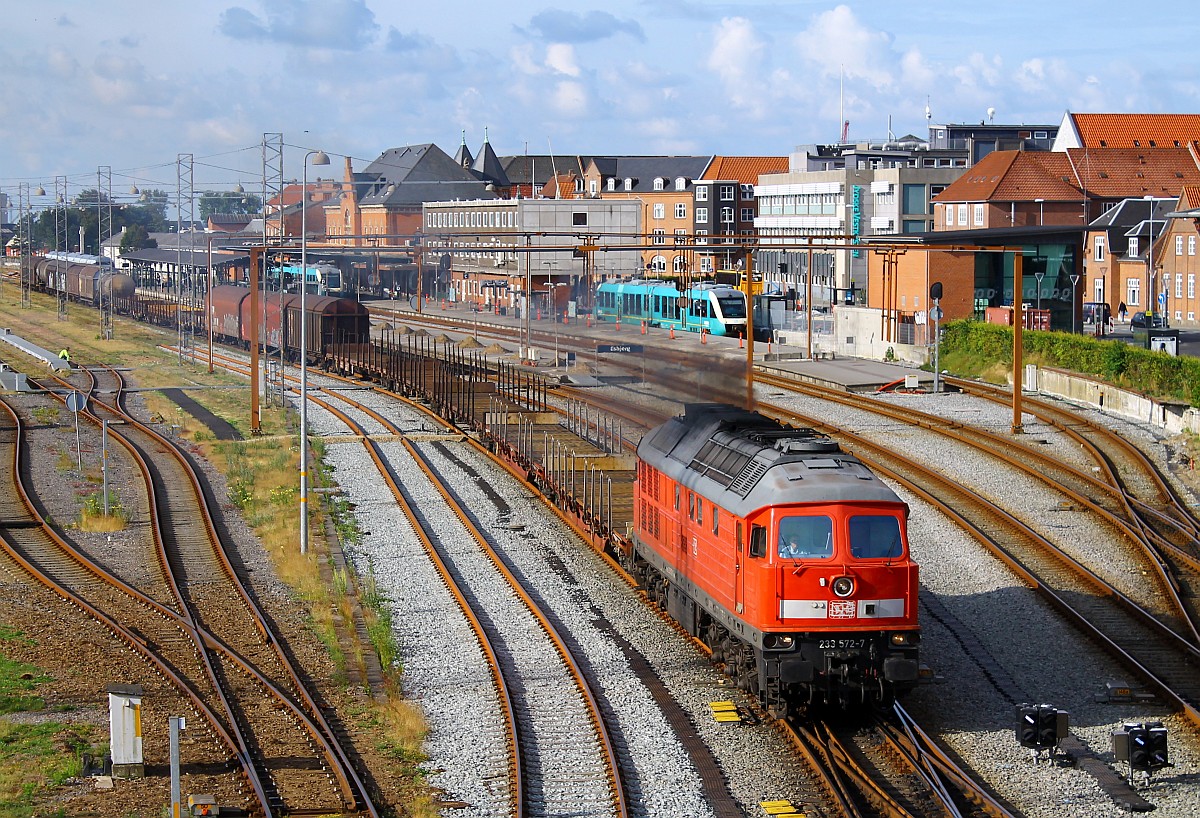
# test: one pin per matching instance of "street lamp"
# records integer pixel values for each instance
(318, 158)
(1151, 304)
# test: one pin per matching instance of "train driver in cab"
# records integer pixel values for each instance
(805, 538)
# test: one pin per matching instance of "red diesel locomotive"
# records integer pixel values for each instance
(783, 553)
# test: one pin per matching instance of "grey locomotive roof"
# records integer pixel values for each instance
(744, 461)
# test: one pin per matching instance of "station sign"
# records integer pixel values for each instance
(620, 349)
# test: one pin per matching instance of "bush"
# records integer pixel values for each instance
(1155, 374)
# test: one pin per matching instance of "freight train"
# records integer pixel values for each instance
(717, 309)
(330, 320)
(787, 556)
(86, 281)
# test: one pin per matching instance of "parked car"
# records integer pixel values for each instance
(1141, 321)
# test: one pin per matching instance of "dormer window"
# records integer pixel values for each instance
(612, 183)
(680, 183)
(628, 183)
(659, 183)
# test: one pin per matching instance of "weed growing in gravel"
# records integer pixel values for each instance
(93, 518)
(46, 415)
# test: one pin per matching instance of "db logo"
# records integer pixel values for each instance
(842, 609)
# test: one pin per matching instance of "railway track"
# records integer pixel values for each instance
(255, 697)
(1134, 506)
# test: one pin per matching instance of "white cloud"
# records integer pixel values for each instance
(838, 42)
(736, 57)
(560, 57)
(569, 98)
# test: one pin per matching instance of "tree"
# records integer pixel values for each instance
(223, 201)
(136, 238)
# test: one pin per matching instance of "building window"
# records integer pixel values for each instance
(702, 237)
(726, 215)
(680, 236)
(726, 193)
(706, 264)
(659, 236)
(979, 215)
(680, 183)
(679, 264)
(1098, 255)
(747, 214)
(579, 219)
(592, 187)
(1133, 248)
(747, 192)
(660, 210)
(1191, 245)
(1040, 135)
(612, 183)
(658, 265)
(1179, 245)
(680, 210)
(701, 215)
(1191, 285)
(659, 183)
(628, 183)
(913, 203)
(949, 215)
(702, 193)
(1133, 292)
(962, 215)
(1179, 285)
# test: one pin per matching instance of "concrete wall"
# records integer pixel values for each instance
(1172, 418)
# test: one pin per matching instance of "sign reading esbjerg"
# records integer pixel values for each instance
(619, 348)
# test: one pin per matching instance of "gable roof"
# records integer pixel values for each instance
(1127, 131)
(744, 169)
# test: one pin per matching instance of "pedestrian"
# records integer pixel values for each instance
(1121, 311)
(65, 354)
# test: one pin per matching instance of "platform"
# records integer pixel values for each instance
(46, 356)
(851, 374)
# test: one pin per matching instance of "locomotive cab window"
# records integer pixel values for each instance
(875, 536)
(806, 537)
(758, 541)
(677, 498)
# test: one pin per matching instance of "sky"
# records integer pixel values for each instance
(132, 84)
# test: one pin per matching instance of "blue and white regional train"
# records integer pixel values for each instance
(320, 279)
(716, 308)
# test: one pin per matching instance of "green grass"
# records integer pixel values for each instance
(33, 757)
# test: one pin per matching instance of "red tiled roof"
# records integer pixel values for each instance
(1190, 198)
(744, 169)
(1121, 172)
(1100, 173)
(1015, 176)
(1137, 130)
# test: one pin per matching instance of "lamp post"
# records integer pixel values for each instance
(318, 158)
(1151, 305)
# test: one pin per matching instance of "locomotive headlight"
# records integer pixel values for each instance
(778, 641)
(843, 586)
(900, 639)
